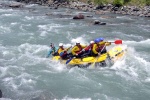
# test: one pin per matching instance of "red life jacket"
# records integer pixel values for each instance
(101, 47)
(89, 47)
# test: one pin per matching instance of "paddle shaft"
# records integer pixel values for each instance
(98, 56)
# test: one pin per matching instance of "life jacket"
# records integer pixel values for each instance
(80, 48)
(54, 52)
(102, 48)
(95, 48)
(53, 49)
(61, 53)
(89, 47)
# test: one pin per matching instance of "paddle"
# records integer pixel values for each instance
(64, 51)
(69, 60)
(98, 56)
(73, 57)
(117, 42)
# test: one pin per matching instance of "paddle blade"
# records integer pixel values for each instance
(69, 60)
(118, 42)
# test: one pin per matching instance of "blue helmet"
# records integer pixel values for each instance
(96, 40)
(100, 39)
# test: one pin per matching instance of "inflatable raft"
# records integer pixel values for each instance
(113, 55)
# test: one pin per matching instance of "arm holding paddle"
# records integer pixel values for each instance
(62, 52)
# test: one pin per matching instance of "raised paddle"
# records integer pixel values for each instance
(98, 56)
(117, 42)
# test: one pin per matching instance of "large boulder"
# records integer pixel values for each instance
(16, 5)
(79, 16)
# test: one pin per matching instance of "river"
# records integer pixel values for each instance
(26, 73)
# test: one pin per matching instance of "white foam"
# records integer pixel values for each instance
(3, 71)
(29, 18)
(143, 42)
(5, 29)
(81, 39)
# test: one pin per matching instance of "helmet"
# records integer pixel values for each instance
(51, 45)
(91, 42)
(96, 40)
(77, 42)
(60, 44)
(101, 39)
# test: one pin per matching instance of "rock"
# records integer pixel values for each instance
(89, 15)
(16, 5)
(80, 16)
(97, 22)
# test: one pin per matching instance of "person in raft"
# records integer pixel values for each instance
(63, 52)
(88, 50)
(77, 50)
(102, 45)
(53, 51)
(99, 47)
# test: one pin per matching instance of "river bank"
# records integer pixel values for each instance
(109, 8)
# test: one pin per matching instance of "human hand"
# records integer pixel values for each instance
(109, 43)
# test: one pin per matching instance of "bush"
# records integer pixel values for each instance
(126, 1)
(148, 2)
(118, 3)
(100, 2)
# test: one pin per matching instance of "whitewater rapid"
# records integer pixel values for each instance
(26, 73)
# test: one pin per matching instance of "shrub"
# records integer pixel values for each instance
(118, 3)
(148, 2)
(100, 2)
(126, 1)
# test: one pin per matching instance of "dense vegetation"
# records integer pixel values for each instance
(124, 2)
(102, 2)
(121, 2)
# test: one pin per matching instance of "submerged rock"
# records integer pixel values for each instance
(79, 16)
(97, 22)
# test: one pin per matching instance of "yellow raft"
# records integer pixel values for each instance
(113, 54)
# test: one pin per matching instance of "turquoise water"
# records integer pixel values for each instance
(25, 73)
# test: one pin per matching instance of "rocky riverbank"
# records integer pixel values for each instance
(109, 8)
(125, 10)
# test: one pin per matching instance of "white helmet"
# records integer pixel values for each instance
(77, 42)
(60, 44)
(91, 42)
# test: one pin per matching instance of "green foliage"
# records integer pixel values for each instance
(126, 1)
(118, 3)
(148, 2)
(100, 2)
